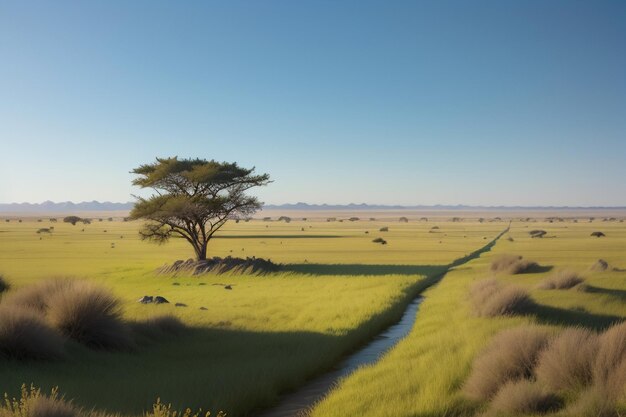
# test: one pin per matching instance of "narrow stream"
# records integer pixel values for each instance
(296, 403)
(299, 402)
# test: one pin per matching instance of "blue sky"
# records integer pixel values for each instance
(416, 102)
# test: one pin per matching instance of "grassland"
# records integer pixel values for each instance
(267, 335)
(423, 375)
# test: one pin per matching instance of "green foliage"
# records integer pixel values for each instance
(194, 199)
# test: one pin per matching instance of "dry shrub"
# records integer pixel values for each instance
(593, 402)
(611, 352)
(25, 335)
(512, 264)
(562, 280)
(33, 403)
(35, 297)
(510, 356)
(89, 314)
(80, 310)
(517, 397)
(600, 266)
(491, 299)
(567, 363)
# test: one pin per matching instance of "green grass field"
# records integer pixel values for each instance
(266, 336)
(336, 291)
(424, 374)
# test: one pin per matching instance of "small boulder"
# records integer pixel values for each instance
(228, 287)
(160, 300)
(203, 308)
(180, 305)
(598, 234)
(146, 299)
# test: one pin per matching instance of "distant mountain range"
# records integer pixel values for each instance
(363, 206)
(68, 206)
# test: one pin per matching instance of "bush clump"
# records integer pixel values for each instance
(512, 264)
(491, 299)
(510, 356)
(537, 233)
(26, 335)
(523, 397)
(80, 310)
(567, 363)
(597, 234)
(562, 280)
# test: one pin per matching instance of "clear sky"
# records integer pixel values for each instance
(392, 102)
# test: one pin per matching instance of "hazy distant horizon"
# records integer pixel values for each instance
(404, 102)
(50, 203)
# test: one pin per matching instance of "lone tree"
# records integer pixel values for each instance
(194, 199)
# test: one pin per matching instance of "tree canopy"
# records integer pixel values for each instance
(194, 198)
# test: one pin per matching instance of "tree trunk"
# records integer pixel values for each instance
(201, 252)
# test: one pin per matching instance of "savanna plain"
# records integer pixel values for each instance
(521, 315)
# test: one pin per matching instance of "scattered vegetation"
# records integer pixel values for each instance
(562, 280)
(490, 299)
(537, 233)
(26, 335)
(512, 264)
(72, 219)
(567, 363)
(523, 397)
(510, 356)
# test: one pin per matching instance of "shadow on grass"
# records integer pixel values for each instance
(536, 269)
(360, 269)
(606, 291)
(387, 269)
(278, 237)
(560, 316)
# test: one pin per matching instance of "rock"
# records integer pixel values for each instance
(160, 300)
(228, 287)
(598, 234)
(203, 308)
(146, 299)
(180, 305)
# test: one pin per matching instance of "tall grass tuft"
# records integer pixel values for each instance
(562, 280)
(510, 356)
(567, 363)
(35, 297)
(611, 352)
(33, 403)
(80, 310)
(25, 335)
(89, 314)
(523, 397)
(491, 299)
(512, 264)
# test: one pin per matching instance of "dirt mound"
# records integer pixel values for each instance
(220, 265)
